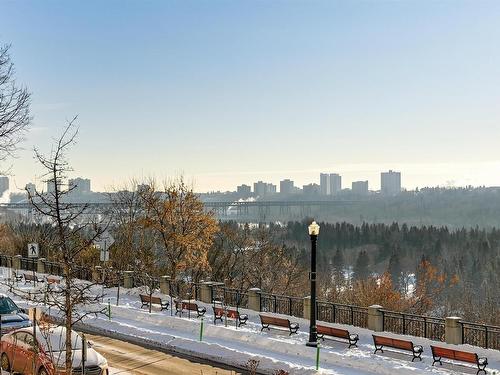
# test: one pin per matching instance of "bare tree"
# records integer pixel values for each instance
(74, 235)
(183, 229)
(14, 106)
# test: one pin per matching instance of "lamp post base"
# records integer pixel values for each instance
(313, 344)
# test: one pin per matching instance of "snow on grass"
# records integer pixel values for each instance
(274, 349)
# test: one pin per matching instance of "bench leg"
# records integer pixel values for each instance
(352, 343)
(437, 359)
(417, 355)
(481, 368)
(265, 326)
(217, 318)
(378, 348)
(242, 322)
(144, 304)
(292, 331)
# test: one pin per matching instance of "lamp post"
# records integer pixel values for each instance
(313, 332)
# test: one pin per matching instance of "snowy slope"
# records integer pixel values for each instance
(274, 350)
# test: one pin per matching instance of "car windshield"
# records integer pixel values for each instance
(7, 306)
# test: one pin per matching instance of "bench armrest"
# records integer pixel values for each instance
(354, 336)
(482, 360)
(418, 348)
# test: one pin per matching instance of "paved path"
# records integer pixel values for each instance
(125, 358)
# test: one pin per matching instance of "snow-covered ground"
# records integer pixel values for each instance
(274, 349)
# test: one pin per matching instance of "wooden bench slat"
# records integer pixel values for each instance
(381, 341)
(146, 299)
(267, 321)
(180, 306)
(220, 312)
(438, 353)
(323, 330)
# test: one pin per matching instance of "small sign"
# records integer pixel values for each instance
(104, 255)
(33, 250)
(103, 243)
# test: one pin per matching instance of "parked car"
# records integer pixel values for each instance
(18, 350)
(13, 317)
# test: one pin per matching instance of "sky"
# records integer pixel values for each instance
(231, 92)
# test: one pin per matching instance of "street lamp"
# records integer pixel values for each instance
(313, 332)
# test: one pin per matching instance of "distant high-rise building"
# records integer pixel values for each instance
(324, 183)
(30, 188)
(79, 185)
(390, 183)
(335, 183)
(4, 184)
(286, 187)
(142, 188)
(244, 189)
(360, 187)
(51, 186)
(263, 188)
(311, 189)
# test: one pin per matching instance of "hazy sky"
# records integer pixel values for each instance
(228, 92)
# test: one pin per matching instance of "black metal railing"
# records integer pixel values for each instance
(53, 268)
(5, 261)
(413, 325)
(342, 314)
(229, 296)
(293, 306)
(481, 335)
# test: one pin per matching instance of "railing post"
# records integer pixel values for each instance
(453, 330)
(375, 318)
(97, 274)
(425, 327)
(307, 307)
(165, 285)
(254, 299)
(40, 265)
(352, 315)
(16, 262)
(485, 337)
(404, 325)
(128, 279)
(334, 313)
(290, 306)
(206, 292)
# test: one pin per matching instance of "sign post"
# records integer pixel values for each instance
(33, 251)
(104, 242)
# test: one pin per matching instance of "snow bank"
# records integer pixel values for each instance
(274, 350)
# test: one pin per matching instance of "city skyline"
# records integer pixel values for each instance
(264, 187)
(230, 93)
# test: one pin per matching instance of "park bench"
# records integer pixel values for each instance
(180, 306)
(53, 279)
(268, 320)
(28, 277)
(381, 341)
(324, 330)
(439, 353)
(146, 300)
(17, 276)
(220, 312)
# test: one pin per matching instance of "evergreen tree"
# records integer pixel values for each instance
(361, 271)
(394, 270)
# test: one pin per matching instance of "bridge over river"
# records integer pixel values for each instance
(248, 211)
